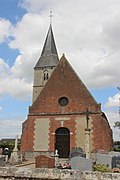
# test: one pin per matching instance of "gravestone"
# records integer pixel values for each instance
(104, 159)
(1, 151)
(77, 152)
(2, 160)
(115, 159)
(81, 163)
(114, 153)
(43, 161)
(116, 162)
(112, 160)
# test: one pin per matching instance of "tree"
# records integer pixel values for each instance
(117, 124)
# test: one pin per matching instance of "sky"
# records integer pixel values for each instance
(88, 32)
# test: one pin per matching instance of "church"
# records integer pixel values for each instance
(64, 115)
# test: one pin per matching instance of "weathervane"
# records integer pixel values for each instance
(51, 15)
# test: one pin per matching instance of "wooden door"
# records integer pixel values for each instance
(63, 142)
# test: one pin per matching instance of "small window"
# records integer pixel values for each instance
(45, 75)
(63, 101)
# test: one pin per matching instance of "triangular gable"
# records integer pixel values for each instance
(64, 86)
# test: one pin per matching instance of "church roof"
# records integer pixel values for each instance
(64, 93)
(49, 55)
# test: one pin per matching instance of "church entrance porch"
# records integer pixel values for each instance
(62, 142)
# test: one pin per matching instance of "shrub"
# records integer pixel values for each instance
(101, 168)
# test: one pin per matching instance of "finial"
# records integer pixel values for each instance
(63, 55)
(63, 59)
(51, 15)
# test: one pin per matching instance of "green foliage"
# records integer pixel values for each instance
(101, 168)
(116, 142)
(10, 145)
(116, 145)
(117, 124)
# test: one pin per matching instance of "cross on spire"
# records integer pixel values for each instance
(51, 15)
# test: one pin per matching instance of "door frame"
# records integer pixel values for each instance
(62, 142)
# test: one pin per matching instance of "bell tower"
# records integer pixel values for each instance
(46, 64)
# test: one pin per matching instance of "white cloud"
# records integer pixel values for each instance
(38, 5)
(4, 68)
(23, 67)
(14, 86)
(28, 34)
(113, 101)
(90, 43)
(17, 88)
(111, 32)
(10, 128)
(85, 31)
(0, 108)
(5, 29)
(106, 71)
(114, 117)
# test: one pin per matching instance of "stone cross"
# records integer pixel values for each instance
(87, 136)
(14, 155)
(16, 144)
(51, 15)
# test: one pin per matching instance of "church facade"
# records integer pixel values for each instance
(64, 115)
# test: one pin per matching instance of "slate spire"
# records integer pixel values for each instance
(49, 55)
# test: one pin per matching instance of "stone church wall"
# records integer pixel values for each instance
(41, 134)
(80, 131)
(52, 174)
(39, 81)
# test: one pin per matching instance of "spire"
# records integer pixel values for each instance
(49, 55)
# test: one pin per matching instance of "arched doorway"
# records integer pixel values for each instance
(62, 143)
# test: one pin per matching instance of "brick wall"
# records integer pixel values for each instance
(55, 124)
(102, 133)
(27, 137)
(64, 82)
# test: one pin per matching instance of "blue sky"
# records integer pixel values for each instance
(88, 32)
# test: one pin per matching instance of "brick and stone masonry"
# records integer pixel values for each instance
(62, 103)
